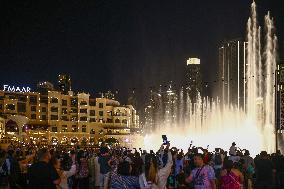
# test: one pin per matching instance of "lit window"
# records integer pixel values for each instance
(83, 118)
(54, 109)
(101, 105)
(54, 117)
(33, 116)
(74, 128)
(54, 129)
(101, 113)
(33, 108)
(92, 112)
(64, 128)
(10, 107)
(54, 100)
(84, 128)
(92, 131)
(83, 111)
(64, 102)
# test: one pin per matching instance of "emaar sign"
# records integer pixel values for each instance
(9, 88)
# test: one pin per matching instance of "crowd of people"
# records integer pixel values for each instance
(115, 167)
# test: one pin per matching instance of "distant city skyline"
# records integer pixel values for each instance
(118, 45)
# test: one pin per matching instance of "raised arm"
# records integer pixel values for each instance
(71, 172)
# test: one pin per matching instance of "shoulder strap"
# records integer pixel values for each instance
(198, 173)
(237, 182)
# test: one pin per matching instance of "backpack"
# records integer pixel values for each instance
(218, 159)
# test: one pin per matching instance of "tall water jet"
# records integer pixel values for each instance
(207, 121)
(270, 65)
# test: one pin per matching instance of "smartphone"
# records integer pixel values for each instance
(199, 151)
(165, 140)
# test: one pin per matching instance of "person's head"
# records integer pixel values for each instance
(137, 154)
(125, 153)
(263, 155)
(233, 144)
(43, 155)
(198, 160)
(10, 152)
(80, 154)
(239, 153)
(179, 156)
(151, 168)
(51, 151)
(124, 168)
(247, 153)
(228, 165)
(2, 154)
(56, 163)
(104, 150)
(65, 162)
(72, 153)
(242, 162)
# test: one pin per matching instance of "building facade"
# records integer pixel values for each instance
(60, 117)
(193, 78)
(231, 73)
(2, 127)
(280, 97)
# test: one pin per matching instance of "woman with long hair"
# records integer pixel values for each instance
(154, 177)
(231, 178)
(63, 174)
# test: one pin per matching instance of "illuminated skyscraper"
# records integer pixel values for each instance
(64, 83)
(193, 78)
(280, 96)
(231, 73)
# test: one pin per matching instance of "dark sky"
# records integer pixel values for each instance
(118, 44)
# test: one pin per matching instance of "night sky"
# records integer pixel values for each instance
(119, 44)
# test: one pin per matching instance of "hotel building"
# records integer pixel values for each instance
(52, 116)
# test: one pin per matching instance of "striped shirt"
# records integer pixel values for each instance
(124, 182)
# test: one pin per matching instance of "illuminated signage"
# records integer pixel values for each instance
(16, 89)
(193, 61)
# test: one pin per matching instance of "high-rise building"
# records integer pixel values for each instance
(280, 96)
(231, 73)
(64, 83)
(44, 87)
(193, 78)
(132, 98)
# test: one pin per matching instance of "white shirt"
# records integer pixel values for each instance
(233, 150)
(234, 158)
(65, 175)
